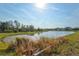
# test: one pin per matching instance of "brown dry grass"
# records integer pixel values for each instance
(29, 47)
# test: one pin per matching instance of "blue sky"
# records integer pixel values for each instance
(54, 15)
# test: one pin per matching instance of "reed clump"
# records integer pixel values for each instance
(59, 46)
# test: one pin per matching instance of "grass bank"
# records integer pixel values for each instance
(73, 36)
(3, 35)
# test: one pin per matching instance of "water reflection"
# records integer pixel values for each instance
(53, 34)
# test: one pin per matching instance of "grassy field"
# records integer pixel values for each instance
(65, 46)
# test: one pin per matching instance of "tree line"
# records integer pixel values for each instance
(15, 26)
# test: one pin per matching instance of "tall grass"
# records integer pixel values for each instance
(59, 46)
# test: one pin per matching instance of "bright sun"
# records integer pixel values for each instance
(40, 5)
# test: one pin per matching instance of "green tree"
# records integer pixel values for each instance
(17, 25)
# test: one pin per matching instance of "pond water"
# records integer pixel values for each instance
(53, 34)
(49, 34)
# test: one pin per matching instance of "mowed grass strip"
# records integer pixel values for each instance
(3, 35)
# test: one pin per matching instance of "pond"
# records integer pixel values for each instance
(53, 34)
(49, 34)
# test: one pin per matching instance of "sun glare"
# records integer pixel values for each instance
(40, 5)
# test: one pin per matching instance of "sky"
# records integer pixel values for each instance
(51, 15)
